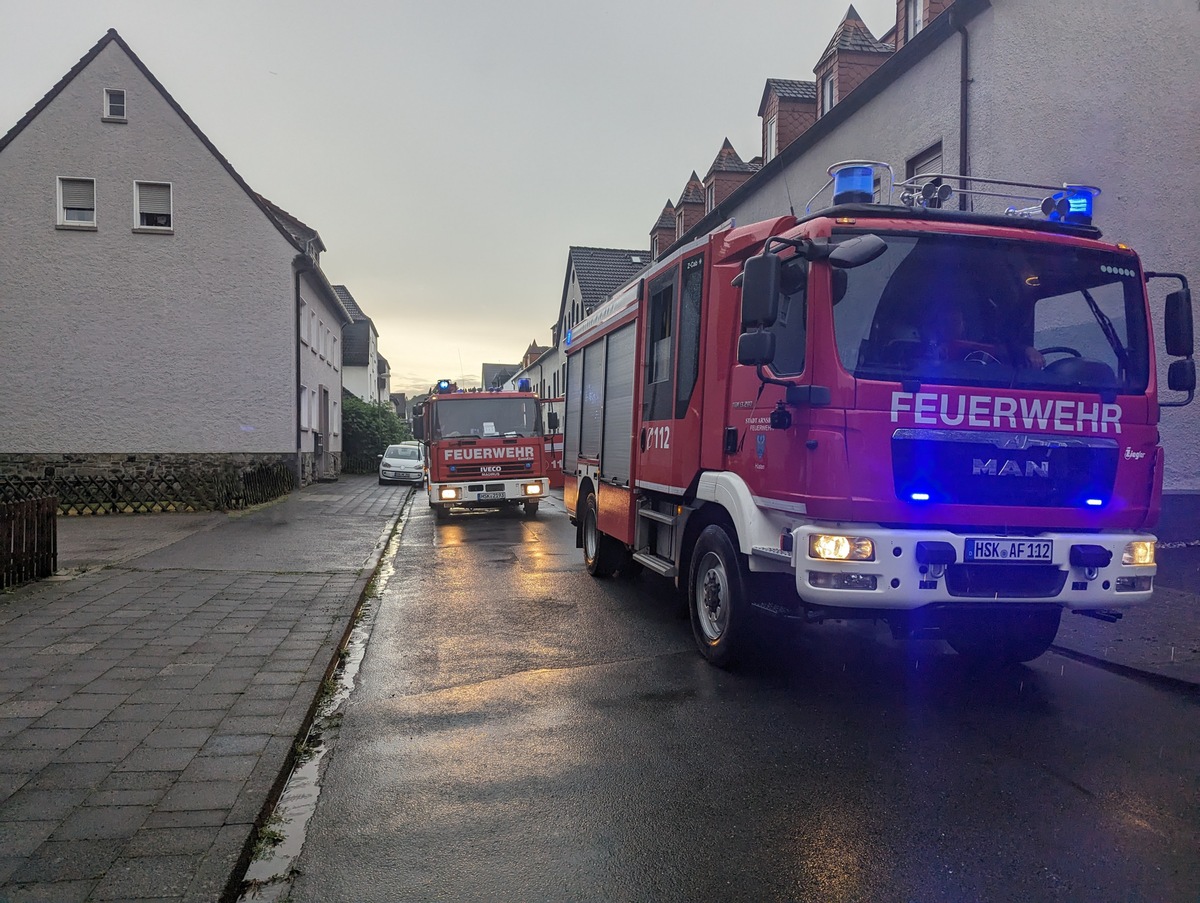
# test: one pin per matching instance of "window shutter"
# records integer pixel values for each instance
(79, 194)
(154, 198)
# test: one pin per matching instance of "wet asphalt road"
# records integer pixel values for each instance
(523, 732)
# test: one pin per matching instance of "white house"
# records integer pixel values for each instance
(155, 313)
(364, 371)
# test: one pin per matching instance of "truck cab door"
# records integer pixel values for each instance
(668, 442)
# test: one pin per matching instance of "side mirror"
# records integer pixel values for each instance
(756, 349)
(1177, 324)
(854, 252)
(418, 428)
(552, 421)
(760, 291)
(1181, 376)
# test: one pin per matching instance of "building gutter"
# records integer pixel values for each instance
(297, 467)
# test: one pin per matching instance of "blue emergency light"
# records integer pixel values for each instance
(853, 184)
(568, 338)
(443, 385)
(1071, 205)
(524, 385)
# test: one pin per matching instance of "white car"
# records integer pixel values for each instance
(403, 463)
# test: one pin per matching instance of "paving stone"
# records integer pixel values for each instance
(143, 876)
(58, 892)
(176, 737)
(101, 822)
(157, 760)
(66, 860)
(70, 718)
(220, 768)
(38, 805)
(58, 775)
(200, 795)
(111, 752)
(21, 838)
(189, 818)
(235, 744)
(172, 841)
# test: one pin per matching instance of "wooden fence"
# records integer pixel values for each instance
(28, 540)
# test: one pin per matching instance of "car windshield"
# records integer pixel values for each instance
(482, 416)
(403, 452)
(957, 310)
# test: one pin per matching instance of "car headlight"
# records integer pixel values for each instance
(836, 547)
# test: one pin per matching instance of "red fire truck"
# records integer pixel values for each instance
(485, 449)
(940, 419)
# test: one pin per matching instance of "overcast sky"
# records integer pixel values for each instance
(450, 153)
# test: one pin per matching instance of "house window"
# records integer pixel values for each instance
(304, 419)
(827, 93)
(321, 333)
(77, 202)
(878, 190)
(333, 353)
(312, 330)
(153, 205)
(679, 224)
(710, 198)
(654, 246)
(769, 148)
(335, 420)
(312, 408)
(912, 18)
(929, 160)
(114, 105)
(303, 323)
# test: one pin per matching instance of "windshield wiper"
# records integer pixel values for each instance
(1110, 333)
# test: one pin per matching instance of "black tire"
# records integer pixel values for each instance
(601, 554)
(441, 512)
(1000, 638)
(531, 509)
(717, 602)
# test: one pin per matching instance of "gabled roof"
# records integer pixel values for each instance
(693, 191)
(787, 89)
(306, 235)
(666, 219)
(853, 35)
(601, 271)
(282, 220)
(727, 160)
(348, 302)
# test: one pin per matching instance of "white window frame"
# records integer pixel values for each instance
(313, 411)
(828, 100)
(303, 322)
(770, 148)
(679, 225)
(304, 418)
(335, 423)
(913, 12)
(312, 330)
(710, 197)
(62, 221)
(107, 114)
(137, 207)
(333, 353)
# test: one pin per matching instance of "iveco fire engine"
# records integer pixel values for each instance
(888, 409)
(484, 449)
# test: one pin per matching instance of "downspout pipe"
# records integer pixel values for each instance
(964, 81)
(297, 466)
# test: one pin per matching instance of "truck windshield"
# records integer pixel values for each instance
(483, 416)
(957, 310)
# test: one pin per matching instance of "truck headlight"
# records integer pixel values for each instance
(448, 494)
(835, 547)
(532, 488)
(1139, 553)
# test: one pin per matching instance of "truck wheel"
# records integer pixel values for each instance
(600, 554)
(997, 638)
(717, 598)
(441, 512)
(531, 509)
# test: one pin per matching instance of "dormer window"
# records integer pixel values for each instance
(912, 18)
(769, 149)
(710, 198)
(679, 230)
(827, 93)
(114, 105)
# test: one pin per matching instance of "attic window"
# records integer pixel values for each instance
(827, 99)
(912, 18)
(769, 149)
(114, 105)
(635, 259)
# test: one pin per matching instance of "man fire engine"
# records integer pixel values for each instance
(945, 420)
(485, 449)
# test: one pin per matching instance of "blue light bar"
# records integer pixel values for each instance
(1071, 205)
(853, 184)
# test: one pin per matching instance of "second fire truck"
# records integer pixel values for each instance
(484, 449)
(940, 419)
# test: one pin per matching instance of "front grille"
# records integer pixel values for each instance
(970, 468)
(979, 581)
(510, 470)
